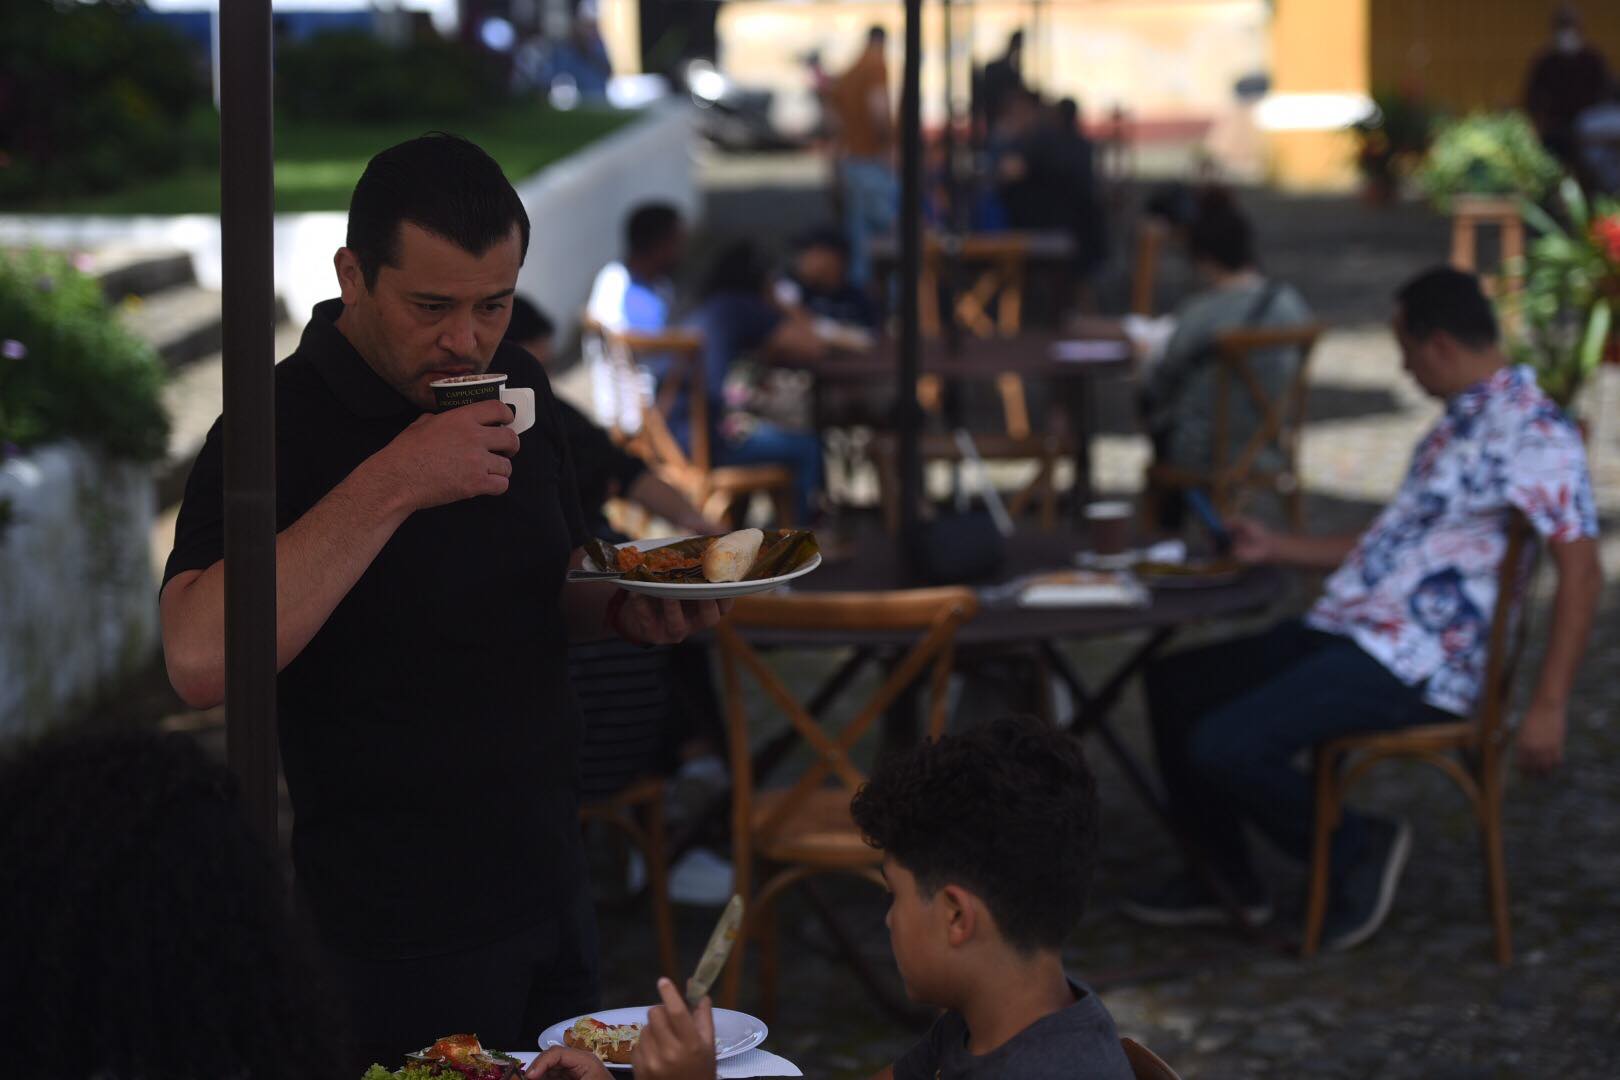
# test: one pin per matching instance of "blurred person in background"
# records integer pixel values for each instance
(1566, 78)
(145, 930)
(864, 126)
(817, 281)
(1178, 394)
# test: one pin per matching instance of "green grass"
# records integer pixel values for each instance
(317, 165)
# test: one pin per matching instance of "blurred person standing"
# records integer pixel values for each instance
(1568, 77)
(865, 146)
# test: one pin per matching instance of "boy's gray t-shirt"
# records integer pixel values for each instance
(1078, 1043)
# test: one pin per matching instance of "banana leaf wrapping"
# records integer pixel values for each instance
(782, 552)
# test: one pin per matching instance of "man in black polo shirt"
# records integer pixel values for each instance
(427, 727)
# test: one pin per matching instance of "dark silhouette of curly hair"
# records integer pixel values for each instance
(1007, 810)
(145, 931)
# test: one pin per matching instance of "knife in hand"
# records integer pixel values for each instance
(716, 951)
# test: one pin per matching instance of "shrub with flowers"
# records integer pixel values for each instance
(68, 369)
(1560, 321)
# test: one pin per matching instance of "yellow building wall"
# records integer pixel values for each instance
(1472, 54)
(1317, 47)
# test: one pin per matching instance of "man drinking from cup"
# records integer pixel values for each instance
(427, 727)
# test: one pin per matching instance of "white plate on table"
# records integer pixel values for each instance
(734, 1032)
(707, 590)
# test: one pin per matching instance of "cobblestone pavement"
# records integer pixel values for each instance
(1423, 998)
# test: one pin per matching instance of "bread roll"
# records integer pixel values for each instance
(731, 556)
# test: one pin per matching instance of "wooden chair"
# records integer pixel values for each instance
(1470, 214)
(637, 812)
(780, 837)
(1473, 753)
(1281, 419)
(998, 268)
(1151, 232)
(718, 491)
(1145, 1064)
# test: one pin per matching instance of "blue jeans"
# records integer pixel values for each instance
(1229, 719)
(800, 451)
(871, 203)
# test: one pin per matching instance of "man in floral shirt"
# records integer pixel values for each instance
(1398, 637)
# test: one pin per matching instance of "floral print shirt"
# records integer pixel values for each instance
(1418, 592)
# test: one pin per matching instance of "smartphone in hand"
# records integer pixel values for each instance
(1219, 533)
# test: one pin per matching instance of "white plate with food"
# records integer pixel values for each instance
(612, 1034)
(704, 567)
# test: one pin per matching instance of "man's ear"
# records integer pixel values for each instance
(351, 279)
(960, 911)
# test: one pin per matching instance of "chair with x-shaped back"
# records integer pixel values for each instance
(782, 836)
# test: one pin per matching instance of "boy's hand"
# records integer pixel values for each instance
(566, 1063)
(677, 1043)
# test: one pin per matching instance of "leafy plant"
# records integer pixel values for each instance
(92, 96)
(1487, 154)
(67, 368)
(346, 75)
(1560, 321)
(1392, 139)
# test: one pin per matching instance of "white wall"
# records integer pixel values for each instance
(78, 607)
(576, 207)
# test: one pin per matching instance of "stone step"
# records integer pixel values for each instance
(182, 323)
(192, 398)
(139, 272)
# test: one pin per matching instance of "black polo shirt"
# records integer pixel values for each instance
(428, 731)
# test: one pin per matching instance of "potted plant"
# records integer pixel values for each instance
(1488, 154)
(1559, 321)
(1390, 141)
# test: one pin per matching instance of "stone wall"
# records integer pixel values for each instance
(78, 607)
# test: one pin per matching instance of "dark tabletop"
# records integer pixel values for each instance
(1031, 355)
(875, 564)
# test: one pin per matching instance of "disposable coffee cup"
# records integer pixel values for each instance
(1109, 524)
(462, 390)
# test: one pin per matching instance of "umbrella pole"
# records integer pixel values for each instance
(247, 206)
(909, 417)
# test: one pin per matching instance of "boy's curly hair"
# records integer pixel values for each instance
(1007, 810)
(145, 930)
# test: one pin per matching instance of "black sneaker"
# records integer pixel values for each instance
(1363, 900)
(1185, 900)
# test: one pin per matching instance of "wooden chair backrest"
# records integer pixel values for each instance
(1145, 1064)
(934, 615)
(1151, 232)
(1508, 633)
(1281, 418)
(624, 352)
(998, 266)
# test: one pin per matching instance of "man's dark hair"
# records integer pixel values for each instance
(440, 182)
(823, 236)
(1221, 234)
(649, 225)
(528, 322)
(877, 35)
(1444, 298)
(1007, 810)
(148, 929)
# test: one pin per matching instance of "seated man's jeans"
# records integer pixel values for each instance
(1229, 720)
(800, 451)
(871, 205)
